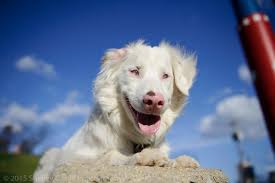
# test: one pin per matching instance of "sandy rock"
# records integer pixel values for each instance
(91, 173)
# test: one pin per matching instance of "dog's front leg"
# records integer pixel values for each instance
(150, 157)
(114, 157)
(154, 157)
(147, 157)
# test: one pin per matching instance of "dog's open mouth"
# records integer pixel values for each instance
(148, 124)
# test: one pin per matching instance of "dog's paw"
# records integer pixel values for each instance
(150, 157)
(185, 162)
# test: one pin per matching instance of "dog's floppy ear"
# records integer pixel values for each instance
(114, 55)
(184, 73)
(184, 68)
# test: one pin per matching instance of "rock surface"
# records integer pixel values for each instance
(88, 172)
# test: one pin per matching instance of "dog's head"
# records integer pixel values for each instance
(149, 84)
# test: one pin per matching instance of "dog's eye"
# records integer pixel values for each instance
(135, 72)
(165, 76)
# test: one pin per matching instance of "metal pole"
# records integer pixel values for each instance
(258, 43)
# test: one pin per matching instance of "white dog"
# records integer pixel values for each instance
(139, 92)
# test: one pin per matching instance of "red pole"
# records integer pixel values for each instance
(258, 43)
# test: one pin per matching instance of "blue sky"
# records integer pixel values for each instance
(51, 50)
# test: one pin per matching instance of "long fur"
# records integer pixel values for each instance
(109, 129)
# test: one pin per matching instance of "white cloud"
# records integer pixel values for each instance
(69, 108)
(19, 115)
(241, 112)
(220, 94)
(244, 74)
(35, 65)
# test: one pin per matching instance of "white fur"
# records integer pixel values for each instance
(111, 130)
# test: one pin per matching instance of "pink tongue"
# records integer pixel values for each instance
(149, 129)
(148, 124)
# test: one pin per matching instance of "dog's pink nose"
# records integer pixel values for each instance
(153, 102)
